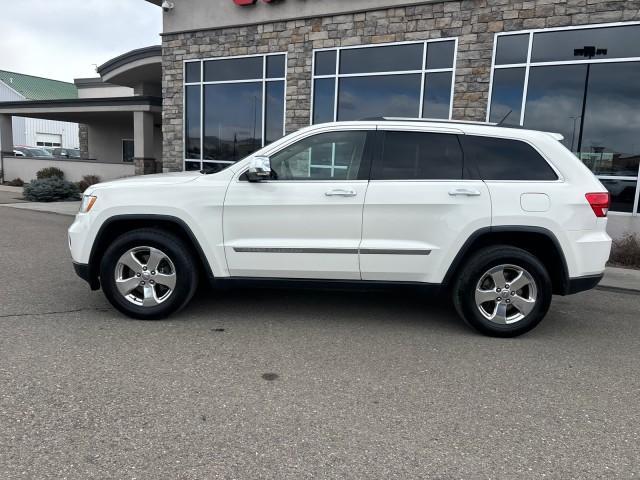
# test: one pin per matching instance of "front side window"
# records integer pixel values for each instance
(326, 156)
(583, 83)
(233, 107)
(419, 156)
(413, 79)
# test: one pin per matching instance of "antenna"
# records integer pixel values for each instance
(499, 124)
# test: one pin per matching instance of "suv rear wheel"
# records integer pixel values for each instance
(148, 274)
(503, 291)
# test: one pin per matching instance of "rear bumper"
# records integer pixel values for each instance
(84, 272)
(581, 284)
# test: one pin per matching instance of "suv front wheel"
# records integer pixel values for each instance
(148, 274)
(503, 291)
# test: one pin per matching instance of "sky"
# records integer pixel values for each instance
(66, 39)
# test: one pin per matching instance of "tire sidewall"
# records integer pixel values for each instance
(185, 269)
(478, 266)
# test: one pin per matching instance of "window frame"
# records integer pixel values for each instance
(336, 76)
(264, 80)
(527, 66)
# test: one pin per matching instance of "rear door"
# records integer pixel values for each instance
(419, 208)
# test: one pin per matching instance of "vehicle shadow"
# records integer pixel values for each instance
(396, 307)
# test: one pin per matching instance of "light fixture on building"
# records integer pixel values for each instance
(167, 5)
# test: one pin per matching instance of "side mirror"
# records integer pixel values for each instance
(259, 169)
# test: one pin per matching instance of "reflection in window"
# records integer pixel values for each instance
(323, 95)
(437, 95)
(390, 95)
(512, 49)
(554, 100)
(606, 139)
(506, 96)
(232, 120)
(192, 122)
(614, 42)
(242, 105)
(418, 82)
(333, 155)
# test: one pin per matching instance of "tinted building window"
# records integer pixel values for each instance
(239, 109)
(613, 42)
(276, 66)
(326, 62)
(323, 97)
(192, 122)
(419, 156)
(391, 58)
(390, 95)
(362, 88)
(247, 68)
(512, 49)
(622, 193)
(506, 95)
(440, 54)
(504, 159)
(192, 72)
(232, 120)
(437, 95)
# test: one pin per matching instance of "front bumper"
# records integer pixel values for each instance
(84, 272)
(581, 284)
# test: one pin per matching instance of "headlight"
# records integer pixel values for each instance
(87, 203)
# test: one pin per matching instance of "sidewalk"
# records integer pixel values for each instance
(62, 208)
(616, 278)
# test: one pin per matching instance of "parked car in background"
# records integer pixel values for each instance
(32, 152)
(66, 152)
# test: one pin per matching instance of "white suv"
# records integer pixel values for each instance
(500, 217)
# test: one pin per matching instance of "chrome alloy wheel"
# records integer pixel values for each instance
(506, 294)
(145, 276)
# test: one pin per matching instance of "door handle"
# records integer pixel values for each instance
(341, 192)
(468, 192)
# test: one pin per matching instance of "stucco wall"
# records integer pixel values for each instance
(474, 22)
(26, 168)
(105, 139)
(102, 91)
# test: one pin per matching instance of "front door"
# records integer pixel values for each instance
(419, 208)
(306, 220)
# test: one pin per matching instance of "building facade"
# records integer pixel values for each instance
(37, 132)
(239, 74)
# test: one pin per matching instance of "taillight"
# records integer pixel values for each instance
(599, 203)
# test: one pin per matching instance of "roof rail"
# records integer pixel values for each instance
(430, 120)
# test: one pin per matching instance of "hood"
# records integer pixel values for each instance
(155, 179)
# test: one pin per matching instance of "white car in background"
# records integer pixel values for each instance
(498, 218)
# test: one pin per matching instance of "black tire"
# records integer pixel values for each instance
(186, 272)
(464, 290)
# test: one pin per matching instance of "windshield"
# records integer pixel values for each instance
(38, 152)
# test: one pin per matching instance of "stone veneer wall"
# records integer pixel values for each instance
(83, 137)
(474, 22)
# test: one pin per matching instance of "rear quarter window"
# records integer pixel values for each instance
(506, 159)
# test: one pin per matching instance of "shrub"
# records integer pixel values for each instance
(49, 172)
(16, 182)
(50, 190)
(626, 251)
(87, 181)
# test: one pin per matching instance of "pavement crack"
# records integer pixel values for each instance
(56, 312)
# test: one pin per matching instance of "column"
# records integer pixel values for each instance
(144, 160)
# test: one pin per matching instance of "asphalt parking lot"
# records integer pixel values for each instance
(284, 384)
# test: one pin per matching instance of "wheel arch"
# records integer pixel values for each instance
(119, 224)
(538, 241)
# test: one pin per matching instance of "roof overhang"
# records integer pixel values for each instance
(83, 110)
(143, 65)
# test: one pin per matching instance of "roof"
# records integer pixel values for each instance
(129, 57)
(38, 88)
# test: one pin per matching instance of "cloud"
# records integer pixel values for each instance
(62, 39)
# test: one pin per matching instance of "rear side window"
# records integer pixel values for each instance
(419, 156)
(505, 159)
